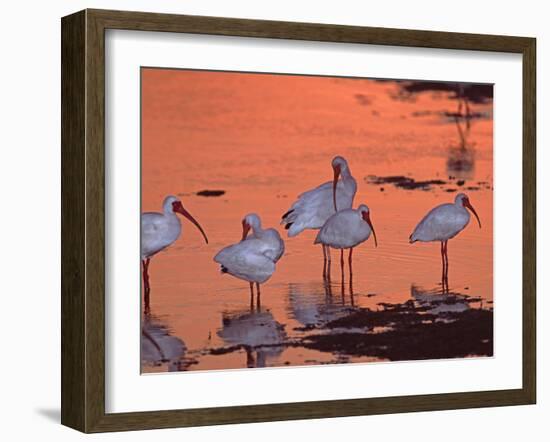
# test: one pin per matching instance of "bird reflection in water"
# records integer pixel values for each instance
(437, 303)
(314, 305)
(158, 347)
(257, 332)
(461, 159)
(328, 286)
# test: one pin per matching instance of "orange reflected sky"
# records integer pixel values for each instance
(264, 139)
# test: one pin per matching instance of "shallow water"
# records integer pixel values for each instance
(262, 140)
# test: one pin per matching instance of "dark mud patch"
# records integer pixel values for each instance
(211, 193)
(474, 93)
(363, 100)
(451, 117)
(404, 182)
(412, 334)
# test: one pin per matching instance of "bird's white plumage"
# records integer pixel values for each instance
(443, 222)
(273, 245)
(312, 208)
(159, 230)
(246, 260)
(252, 259)
(346, 228)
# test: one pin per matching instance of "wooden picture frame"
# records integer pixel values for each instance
(83, 219)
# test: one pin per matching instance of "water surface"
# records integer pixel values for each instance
(229, 144)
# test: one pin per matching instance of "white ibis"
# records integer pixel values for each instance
(314, 207)
(253, 258)
(160, 230)
(346, 229)
(442, 223)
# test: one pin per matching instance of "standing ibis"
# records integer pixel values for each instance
(314, 207)
(160, 230)
(442, 223)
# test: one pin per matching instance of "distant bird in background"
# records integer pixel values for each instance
(252, 259)
(314, 207)
(443, 223)
(160, 230)
(346, 229)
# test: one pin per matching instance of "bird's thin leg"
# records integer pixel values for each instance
(145, 263)
(328, 263)
(251, 296)
(258, 306)
(342, 263)
(342, 272)
(146, 287)
(324, 260)
(350, 275)
(350, 263)
(446, 267)
(443, 266)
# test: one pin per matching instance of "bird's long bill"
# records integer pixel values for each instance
(179, 208)
(246, 229)
(366, 217)
(334, 184)
(469, 206)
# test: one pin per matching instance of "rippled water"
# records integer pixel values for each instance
(264, 139)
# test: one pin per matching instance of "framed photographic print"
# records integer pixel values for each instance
(269, 220)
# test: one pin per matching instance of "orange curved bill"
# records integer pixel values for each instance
(334, 184)
(180, 209)
(469, 206)
(366, 217)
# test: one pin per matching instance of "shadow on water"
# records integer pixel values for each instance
(430, 325)
(159, 347)
(256, 332)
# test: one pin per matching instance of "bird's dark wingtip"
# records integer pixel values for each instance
(224, 269)
(287, 213)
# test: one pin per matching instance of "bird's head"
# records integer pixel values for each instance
(339, 165)
(463, 200)
(174, 205)
(365, 214)
(250, 221)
